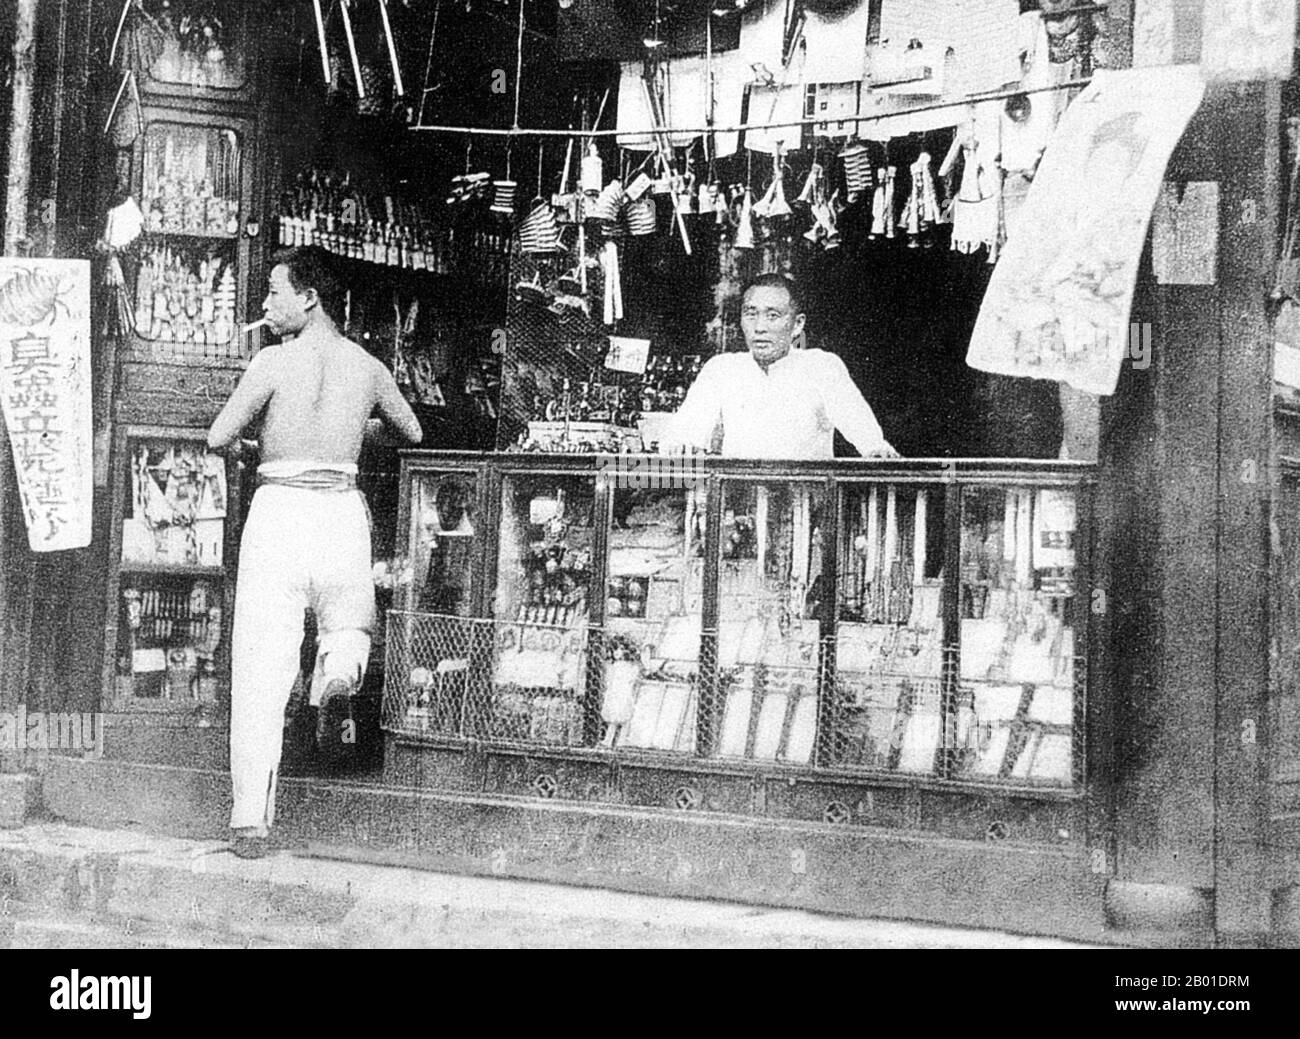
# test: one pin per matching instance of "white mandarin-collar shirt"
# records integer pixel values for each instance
(789, 411)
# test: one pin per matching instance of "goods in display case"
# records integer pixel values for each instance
(703, 620)
(186, 295)
(194, 43)
(889, 671)
(169, 640)
(541, 607)
(653, 619)
(191, 180)
(1017, 634)
(769, 613)
(169, 599)
(189, 281)
(445, 544)
(177, 509)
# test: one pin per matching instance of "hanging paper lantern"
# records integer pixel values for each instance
(857, 168)
(608, 204)
(539, 232)
(503, 196)
(640, 216)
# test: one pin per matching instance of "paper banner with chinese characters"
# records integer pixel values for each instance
(45, 392)
(1057, 305)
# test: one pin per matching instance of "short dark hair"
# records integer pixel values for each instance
(310, 267)
(775, 280)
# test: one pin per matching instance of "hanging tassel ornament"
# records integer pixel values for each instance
(721, 209)
(684, 192)
(613, 286)
(922, 209)
(878, 206)
(745, 223)
(812, 186)
(828, 217)
(773, 204)
(882, 203)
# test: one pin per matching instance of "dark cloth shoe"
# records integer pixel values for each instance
(248, 847)
(335, 709)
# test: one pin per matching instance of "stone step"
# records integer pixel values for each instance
(60, 883)
(72, 932)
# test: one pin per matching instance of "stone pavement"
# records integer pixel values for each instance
(70, 887)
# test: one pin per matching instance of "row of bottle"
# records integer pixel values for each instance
(416, 248)
(179, 301)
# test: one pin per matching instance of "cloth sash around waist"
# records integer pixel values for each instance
(309, 476)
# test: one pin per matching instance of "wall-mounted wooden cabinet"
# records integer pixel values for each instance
(172, 563)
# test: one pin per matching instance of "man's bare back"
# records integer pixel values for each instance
(316, 389)
(316, 393)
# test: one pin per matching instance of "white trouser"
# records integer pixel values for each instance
(300, 548)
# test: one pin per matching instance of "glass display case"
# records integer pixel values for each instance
(188, 303)
(192, 48)
(848, 620)
(170, 596)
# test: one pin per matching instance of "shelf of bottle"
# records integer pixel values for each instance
(172, 569)
(448, 256)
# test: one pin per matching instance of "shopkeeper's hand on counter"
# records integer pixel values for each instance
(885, 451)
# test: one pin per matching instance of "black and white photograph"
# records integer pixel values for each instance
(650, 474)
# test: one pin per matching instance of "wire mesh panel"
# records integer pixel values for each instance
(554, 338)
(480, 679)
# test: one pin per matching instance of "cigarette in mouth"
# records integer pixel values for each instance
(252, 328)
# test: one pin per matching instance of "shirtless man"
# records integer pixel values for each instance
(307, 539)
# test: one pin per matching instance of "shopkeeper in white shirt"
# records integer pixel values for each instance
(775, 401)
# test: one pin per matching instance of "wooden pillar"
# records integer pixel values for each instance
(15, 558)
(1249, 156)
(1189, 638)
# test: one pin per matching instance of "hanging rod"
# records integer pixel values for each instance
(972, 99)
